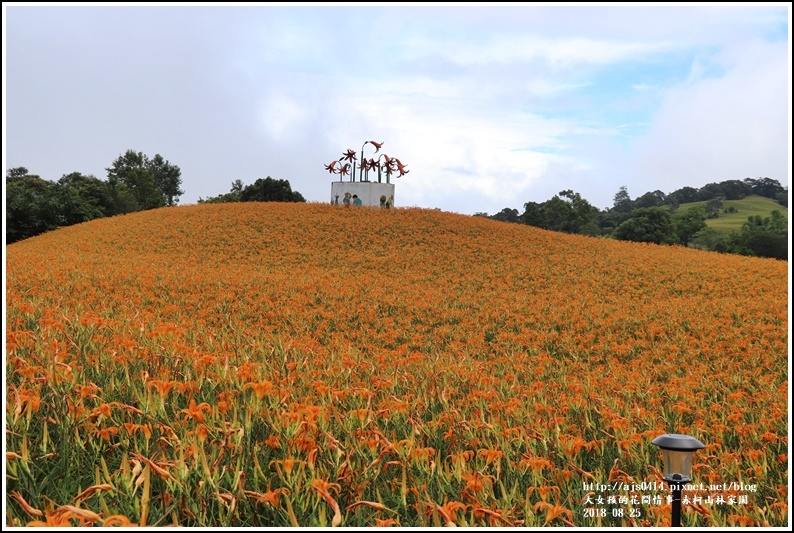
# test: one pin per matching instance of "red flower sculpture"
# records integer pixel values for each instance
(389, 165)
(401, 167)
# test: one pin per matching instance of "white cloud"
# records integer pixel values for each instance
(558, 52)
(282, 116)
(488, 107)
(731, 127)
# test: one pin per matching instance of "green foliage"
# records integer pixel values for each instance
(32, 205)
(610, 219)
(506, 215)
(270, 190)
(262, 190)
(683, 195)
(713, 207)
(762, 237)
(686, 224)
(751, 205)
(651, 199)
(232, 196)
(766, 187)
(35, 205)
(532, 215)
(139, 183)
(623, 203)
(567, 212)
(167, 179)
(83, 198)
(727, 190)
(710, 239)
(648, 224)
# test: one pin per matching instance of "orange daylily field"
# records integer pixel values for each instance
(273, 364)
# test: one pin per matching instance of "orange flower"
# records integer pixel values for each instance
(261, 389)
(196, 412)
(555, 511)
(24, 504)
(270, 497)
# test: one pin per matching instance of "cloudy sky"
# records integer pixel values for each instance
(487, 106)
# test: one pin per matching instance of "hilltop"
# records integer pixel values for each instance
(734, 213)
(291, 364)
(317, 235)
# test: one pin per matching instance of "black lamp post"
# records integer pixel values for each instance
(677, 452)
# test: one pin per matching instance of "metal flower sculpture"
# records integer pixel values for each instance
(368, 165)
(363, 173)
(401, 168)
(350, 155)
(389, 165)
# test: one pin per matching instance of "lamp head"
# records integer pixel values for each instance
(677, 451)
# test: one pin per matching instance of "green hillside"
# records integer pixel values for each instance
(747, 207)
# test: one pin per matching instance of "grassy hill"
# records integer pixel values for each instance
(746, 207)
(263, 364)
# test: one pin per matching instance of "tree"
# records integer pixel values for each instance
(713, 207)
(735, 189)
(648, 224)
(622, 202)
(686, 225)
(139, 183)
(684, 195)
(167, 178)
(767, 237)
(270, 190)
(532, 215)
(650, 199)
(232, 196)
(709, 239)
(583, 217)
(506, 215)
(556, 212)
(83, 198)
(567, 212)
(766, 187)
(262, 190)
(32, 205)
(610, 219)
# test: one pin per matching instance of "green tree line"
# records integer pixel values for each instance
(262, 190)
(135, 182)
(655, 217)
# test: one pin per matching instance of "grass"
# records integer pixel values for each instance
(749, 206)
